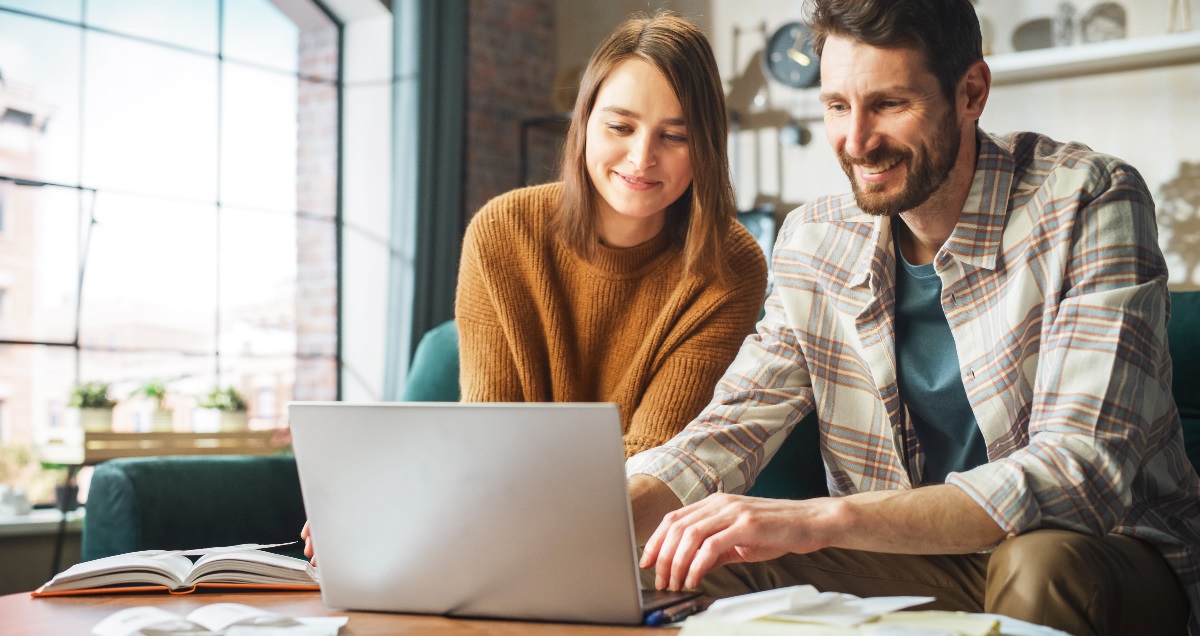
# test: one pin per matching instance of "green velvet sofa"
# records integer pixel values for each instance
(189, 502)
(175, 503)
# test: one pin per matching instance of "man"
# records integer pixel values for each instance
(981, 329)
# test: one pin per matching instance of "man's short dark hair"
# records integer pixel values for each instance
(946, 32)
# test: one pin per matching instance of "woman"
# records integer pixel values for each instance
(629, 281)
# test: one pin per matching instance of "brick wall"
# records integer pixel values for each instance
(511, 62)
(316, 240)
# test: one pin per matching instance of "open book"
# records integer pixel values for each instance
(244, 566)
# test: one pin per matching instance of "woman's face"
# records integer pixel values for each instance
(636, 153)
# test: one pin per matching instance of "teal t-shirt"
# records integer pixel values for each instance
(927, 373)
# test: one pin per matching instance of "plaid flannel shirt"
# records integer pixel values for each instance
(1055, 291)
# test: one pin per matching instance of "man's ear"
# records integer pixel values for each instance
(973, 90)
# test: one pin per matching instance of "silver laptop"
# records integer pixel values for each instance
(491, 510)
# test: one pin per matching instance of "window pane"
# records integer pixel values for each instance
(187, 23)
(39, 99)
(258, 283)
(265, 382)
(150, 122)
(214, 178)
(258, 153)
(61, 9)
(258, 32)
(39, 262)
(292, 36)
(186, 378)
(35, 382)
(150, 277)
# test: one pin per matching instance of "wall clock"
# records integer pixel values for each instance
(789, 57)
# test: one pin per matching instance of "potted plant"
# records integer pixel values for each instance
(90, 407)
(221, 410)
(152, 416)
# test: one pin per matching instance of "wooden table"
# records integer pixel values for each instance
(22, 615)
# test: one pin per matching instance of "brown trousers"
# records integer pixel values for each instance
(1066, 580)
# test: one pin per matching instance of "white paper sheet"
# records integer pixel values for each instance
(217, 550)
(847, 611)
(132, 620)
(231, 619)
(805, 603)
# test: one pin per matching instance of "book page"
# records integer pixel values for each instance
(254, 567)
(163, 569)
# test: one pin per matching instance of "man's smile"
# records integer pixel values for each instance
(879, 167)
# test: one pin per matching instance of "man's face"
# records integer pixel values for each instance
(895, 135)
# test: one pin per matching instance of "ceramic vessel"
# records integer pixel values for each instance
(94, 420)
(217, 421)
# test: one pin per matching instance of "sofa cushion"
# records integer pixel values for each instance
(796, 471)
(433, 374)
(1183, 335)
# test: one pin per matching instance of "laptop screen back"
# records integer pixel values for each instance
(493, 510)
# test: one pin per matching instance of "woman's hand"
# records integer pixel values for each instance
(309, 550)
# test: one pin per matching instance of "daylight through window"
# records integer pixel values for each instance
(168, 210)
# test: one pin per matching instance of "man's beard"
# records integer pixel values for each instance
(926, 171)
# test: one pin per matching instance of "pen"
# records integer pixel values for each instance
(674, 613)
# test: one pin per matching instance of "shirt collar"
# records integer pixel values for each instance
(976, 238)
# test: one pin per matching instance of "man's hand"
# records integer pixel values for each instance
(310, 551)
(722, 529)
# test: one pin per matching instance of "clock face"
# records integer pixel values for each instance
(789, 58)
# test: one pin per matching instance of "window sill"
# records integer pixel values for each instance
(40, 522)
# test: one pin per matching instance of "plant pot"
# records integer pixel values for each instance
(234, 421)
(153, 421)
(215, 421)
(66, 498)
(90, 419)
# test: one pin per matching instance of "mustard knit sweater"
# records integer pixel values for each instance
(538, 324)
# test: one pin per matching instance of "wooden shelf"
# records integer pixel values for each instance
(1009, 69)
(1095, 58)
(98, 447)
